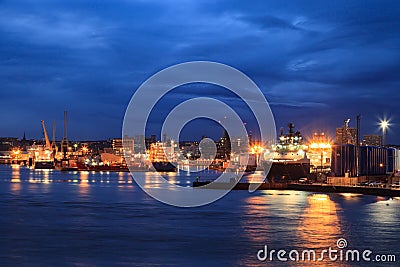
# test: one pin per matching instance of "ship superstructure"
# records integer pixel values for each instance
(290, 160)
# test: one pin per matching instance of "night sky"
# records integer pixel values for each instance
(317, 62)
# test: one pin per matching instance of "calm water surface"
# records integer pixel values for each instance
(48, 218)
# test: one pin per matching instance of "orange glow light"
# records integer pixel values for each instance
(257, 149)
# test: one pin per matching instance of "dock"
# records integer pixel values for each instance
(375, 191)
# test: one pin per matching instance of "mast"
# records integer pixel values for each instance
(64, 143)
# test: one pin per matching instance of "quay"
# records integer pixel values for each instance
(375, 191)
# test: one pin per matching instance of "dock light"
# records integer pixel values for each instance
(257, 149)
(16, 153)
(384, 125)
(320, 145)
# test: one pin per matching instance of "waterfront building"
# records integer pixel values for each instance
(372, 140)
(7, 143)
(346, 136)
(139, 144)
(128, 148)
(151, 140)
(117, 146)
(224, 147)
(190, 149)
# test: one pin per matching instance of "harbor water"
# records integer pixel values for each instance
(50, 218)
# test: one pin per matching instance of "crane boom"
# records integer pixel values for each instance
(46, 137)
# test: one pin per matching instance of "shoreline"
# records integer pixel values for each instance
(375, 191)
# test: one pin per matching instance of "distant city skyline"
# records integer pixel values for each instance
(332, 137)
(317, 63)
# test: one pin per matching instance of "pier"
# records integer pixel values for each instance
(375, 191)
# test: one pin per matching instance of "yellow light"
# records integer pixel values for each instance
(256, 149)
(320, 145)
(314, 145)
(319, 197)
(349, 195)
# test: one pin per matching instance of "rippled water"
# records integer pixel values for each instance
(48, 218)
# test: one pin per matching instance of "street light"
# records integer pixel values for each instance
(384, 125)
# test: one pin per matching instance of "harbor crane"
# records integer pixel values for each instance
(46, 137)
(53, 143)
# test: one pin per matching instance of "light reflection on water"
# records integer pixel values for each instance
(84, 184)
(320, 225)
(108, 220)
(15, 178)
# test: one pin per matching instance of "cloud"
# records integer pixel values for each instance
(57, 30)
(269, 22)
(90, 57)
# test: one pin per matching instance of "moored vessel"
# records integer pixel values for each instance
(164, 166)
(290, 160)
(40, 164)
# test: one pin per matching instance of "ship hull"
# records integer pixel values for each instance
(66, 169)
(110, 168)
(164, 166)
(284, 171)
(43, 165)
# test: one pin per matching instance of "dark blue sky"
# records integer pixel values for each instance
(317, 62)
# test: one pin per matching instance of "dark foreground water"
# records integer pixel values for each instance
(94, 219)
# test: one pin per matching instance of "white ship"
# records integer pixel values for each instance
(290, 160)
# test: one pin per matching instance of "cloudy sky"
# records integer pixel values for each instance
(317, 62)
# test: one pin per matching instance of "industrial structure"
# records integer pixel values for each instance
(320, 152)
(365, 160)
